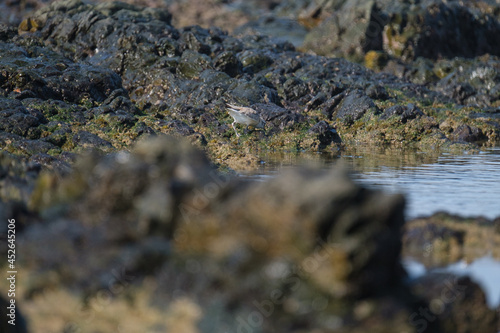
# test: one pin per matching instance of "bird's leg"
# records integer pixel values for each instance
(235, 129)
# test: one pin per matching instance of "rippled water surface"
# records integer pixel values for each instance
(468, 184)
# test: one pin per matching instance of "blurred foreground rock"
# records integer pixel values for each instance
(158, 240)
(456, 303)
(17, 323)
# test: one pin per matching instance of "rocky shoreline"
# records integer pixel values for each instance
(117, 161)
(127, 72)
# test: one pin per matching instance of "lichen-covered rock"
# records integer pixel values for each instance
(228, 63)
(31, 147)
(47, 98)
(88, 140)
(51, 163)
(177, 75)
(470, 82)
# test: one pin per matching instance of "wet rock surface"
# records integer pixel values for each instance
(224, 252)
(404, 113)
(101, 76)
(354, 106)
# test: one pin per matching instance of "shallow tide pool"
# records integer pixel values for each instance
(465, 185)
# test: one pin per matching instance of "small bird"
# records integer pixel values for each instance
(245, 116)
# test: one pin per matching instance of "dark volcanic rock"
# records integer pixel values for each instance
(228, 63)
(452, 29)
(88, 140)
(16, 119)
(278, 117)
(58, 110)
(255, 54)
(279, 29)
(38, 72)
(32, 147)
(68, 65)
(324, 134)
(404, 113)
(376, 91)
(46, 97)
(470, 82)
(50, 162)
(122, 37)
(449, 298)
(179, 127)
(354, 106)
(179, 74)
(468, 134)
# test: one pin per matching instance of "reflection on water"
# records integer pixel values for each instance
(468, 185)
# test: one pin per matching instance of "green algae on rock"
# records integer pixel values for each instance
(180, 79)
